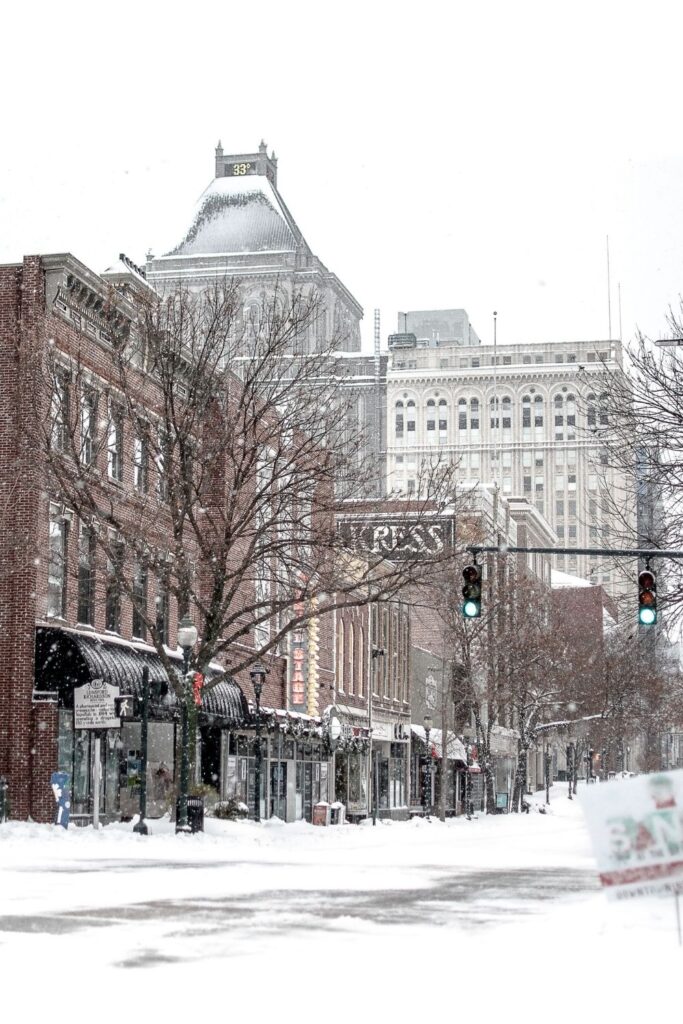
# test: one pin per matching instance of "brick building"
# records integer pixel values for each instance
(62, 621)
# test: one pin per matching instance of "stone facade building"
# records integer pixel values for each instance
(525, 417)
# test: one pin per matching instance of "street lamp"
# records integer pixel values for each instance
(187, 638)
(258, 676)
(428, 767)
(571, 753)
(141, 826)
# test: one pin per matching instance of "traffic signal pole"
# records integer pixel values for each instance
(614, 552)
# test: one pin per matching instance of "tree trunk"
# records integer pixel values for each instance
(520, 779)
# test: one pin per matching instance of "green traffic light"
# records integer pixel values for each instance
(471, 609)
(647, 616)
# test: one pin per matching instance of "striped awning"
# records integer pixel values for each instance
(66, 658)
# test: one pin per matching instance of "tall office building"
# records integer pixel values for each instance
(525, 417)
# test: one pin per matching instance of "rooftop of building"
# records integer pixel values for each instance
(241, 211)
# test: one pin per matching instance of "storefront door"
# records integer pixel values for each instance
(304, 790)
(278, 789)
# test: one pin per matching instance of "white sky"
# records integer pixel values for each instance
(435, 154)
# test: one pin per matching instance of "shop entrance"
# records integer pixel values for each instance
(304, 790)
(278, 789)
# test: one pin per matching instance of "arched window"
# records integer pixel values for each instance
(603, 416)
(443, 419)
(431, 420)
(351, 688)
(590, 412)
(538, 412)
(363, 662)
(507, 417)
(474, 415)
(526, 417)
(399, 420)
(559, 417)
(340, 655)
(410, 417)
(462, 414)
(571, 417)
(495, 407)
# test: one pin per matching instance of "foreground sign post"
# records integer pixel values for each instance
(95, 708)
(636, 828)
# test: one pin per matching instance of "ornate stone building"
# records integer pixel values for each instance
(242, 229)
(526, 417)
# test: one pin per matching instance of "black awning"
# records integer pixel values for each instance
(67, 658)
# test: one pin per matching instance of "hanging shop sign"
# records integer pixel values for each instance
(636, 832)
(298, 649)
(95, 706)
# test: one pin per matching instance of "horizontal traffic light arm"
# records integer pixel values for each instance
(647, 553)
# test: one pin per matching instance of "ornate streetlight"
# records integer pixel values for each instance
(258, 676)
(187, 638)
(428, 767)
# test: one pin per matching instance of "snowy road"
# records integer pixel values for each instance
(493, 910)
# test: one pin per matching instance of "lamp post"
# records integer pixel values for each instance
(428, 767)
(187, 638)
(375, 653)
(258, 675)
(570, 766)
(141, 826)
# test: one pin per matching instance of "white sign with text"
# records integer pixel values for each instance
(94, 706)
(636, 827)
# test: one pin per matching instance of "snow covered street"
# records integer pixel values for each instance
(497, 915)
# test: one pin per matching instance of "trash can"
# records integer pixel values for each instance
(195, 813)
(337, 814)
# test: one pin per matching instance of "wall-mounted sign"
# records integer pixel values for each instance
(398, 539)
(298, 649)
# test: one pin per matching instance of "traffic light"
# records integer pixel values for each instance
(471, 592)
(647, 598)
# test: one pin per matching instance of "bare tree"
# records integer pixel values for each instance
(239, 436)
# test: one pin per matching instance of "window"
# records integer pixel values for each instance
(340, 655)
(507, 485)
(352, 660)
(162, 460)
(140, 465)
(526, 413)
(115, 443)
(559, 507)
(88, 425)
(590, 411)
(411, 487)
(494, 414)
(86, 575)
(474, 460)
(572, 508)
(140, 602)
(399, 419)
(559, 418)
(475, 361)
(538, 414)
(474, 414)
(538, 460)
(527, 485)
(507, 418)
(559, 483)
(57, 560)
(559, 530)
(572, 533)
(113, 586)
(571, 417)
(526, 360)
(431, 420)
(162, 611)
(526, 460)
(507, 360)
(443, 419)
(538, 484)
(462, 414)
(410, 417)
(603, 411)
(571, 482)
(59, 411)
(507, 460)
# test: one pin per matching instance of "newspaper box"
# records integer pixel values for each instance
(321, 814)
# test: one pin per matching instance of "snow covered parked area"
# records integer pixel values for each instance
(499, 915)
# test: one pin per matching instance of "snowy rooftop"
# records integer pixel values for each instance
(239, 214)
